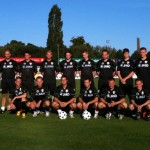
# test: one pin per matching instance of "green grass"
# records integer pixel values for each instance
(43, 133)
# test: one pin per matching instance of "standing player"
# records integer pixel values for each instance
(140, 100)
(49, 70)
(142, 68)
(39, 99)
(69, 68)
(106, 70)
(8, 68)
(88, 98)
(86, 69)
(125, 73)
(64, 98)
(112, 99)
(27, 70)
(17, 99)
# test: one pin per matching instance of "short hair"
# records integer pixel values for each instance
(136, 80)
(143, 48)
(27, 52)
(112, 79)
(7, 50)
(105, 50)
(85, 51)
(49, 51)
(18, 77)
(125, 50)
(39, 78)
(63, 76)
(68, 51)
(87, 78)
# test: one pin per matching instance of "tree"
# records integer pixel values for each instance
(119, 54)
(55, 35)
(135, 55)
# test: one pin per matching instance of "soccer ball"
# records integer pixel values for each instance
(62, 115)
(86, 115)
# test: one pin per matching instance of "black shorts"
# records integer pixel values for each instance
(50, 85)
(146, 85)
(7, 85)
(102, 83)
(28, 85)
(17, 103)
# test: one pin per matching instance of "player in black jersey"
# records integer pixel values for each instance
(88, 98)
(69, 68)
(125, 70)
(140, 100)
(49, 69)
(86, 69)
(106, 69)
(17, 99)
(64, 98)
(27, 69)
(39, 99)
(142, 68)
(112, 99)
(8, 68)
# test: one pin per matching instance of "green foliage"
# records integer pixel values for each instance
(135, 55)
(119, 54)
(55, 35)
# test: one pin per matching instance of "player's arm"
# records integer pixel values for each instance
(129, 76)
(118, 102)
(102, 97)
(93, 101)
(24, 95)
(134, 103)
(114, 68)
(145, 104)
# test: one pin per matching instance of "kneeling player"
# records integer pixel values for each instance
(88, 98)
(39, 99)
(17, 100)
(140, 100)
(64, 98)
(112, 99)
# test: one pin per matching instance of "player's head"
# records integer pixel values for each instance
(27, 55)
(49, 54)
(111, 83)
(138, 84)
(68, 54)
(105, 54)
(7, 54)
(126, 53)
(39, 81)
(85, 54)
(64, 80)
(87, 82)
(18, 81)
(143, 52)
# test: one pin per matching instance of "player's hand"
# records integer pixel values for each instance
(113, 104)
(63, 104)
(123, 81)
(13, 99)
(85, 106)
(139, 108)
(109, 104)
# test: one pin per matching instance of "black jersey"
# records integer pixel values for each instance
(39, 94)
(86, 67)
(27, 69)
(111, 95)
(17, 92)
(140, 97)
(88, 95)
(49, 68)
(106, 68)
(68, 68)
(64, 95)
(142, 69)
(125, 67)
(8, 69)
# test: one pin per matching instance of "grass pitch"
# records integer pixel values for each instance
(51, 133)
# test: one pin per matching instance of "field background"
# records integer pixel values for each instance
(43, 133)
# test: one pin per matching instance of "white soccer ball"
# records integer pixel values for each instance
(86, 115)
(62, 115)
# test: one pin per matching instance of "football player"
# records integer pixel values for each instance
(27, 70)
(49, 69)
(106, 69)
(64, 98)
(17, 99)
(140, 100)
(8, 68)
(125, 72)
(142, 68)
(88, 98)
(69, 68)
(39, 99)
(112, 99)
(86, 69)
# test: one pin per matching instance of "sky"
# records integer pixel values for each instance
(120, 21)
